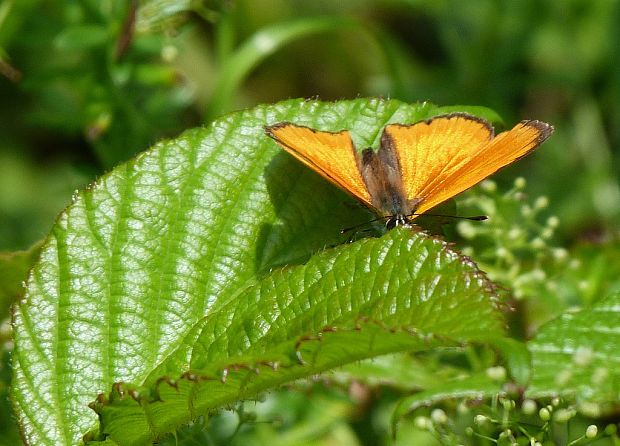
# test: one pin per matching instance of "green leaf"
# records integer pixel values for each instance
(476, 386)
(152, 13)
(405, 291)
(402, 371)
(577, 354)
(12, 17)
(162, 263)
(9, 435)
(82, 37)
(14, 268)
(517, 358)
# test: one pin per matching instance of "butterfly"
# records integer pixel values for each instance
(417, 166)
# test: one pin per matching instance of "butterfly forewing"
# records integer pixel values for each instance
(502, 150)
(429, 151)
(331, 155)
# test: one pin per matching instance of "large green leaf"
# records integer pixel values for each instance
(403, 291)
(578, 355)
(167, 263)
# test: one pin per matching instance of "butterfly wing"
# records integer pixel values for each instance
(446, 155)
(501, 151)
(332, 155)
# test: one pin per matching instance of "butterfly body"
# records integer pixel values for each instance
(417, 166)
(381, 173)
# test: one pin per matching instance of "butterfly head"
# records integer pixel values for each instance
(398, 220)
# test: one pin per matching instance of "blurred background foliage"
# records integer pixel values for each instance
(86, 84)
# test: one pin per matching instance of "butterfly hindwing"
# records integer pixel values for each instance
(330, 154)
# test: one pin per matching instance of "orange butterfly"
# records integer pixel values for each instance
(417, 166)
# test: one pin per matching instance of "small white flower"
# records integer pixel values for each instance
(520, 183)
(591, 431)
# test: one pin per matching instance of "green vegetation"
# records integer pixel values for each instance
(197, 289)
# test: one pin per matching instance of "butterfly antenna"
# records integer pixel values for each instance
(472, 218)
(345, 230)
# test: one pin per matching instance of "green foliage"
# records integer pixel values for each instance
(516, 247)
(91, 82)
(575, 366)
(13, 270)
(101, 82)
(88, 84)
(577, 355)
(8, 428)
(368, 303)
(258, 47)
